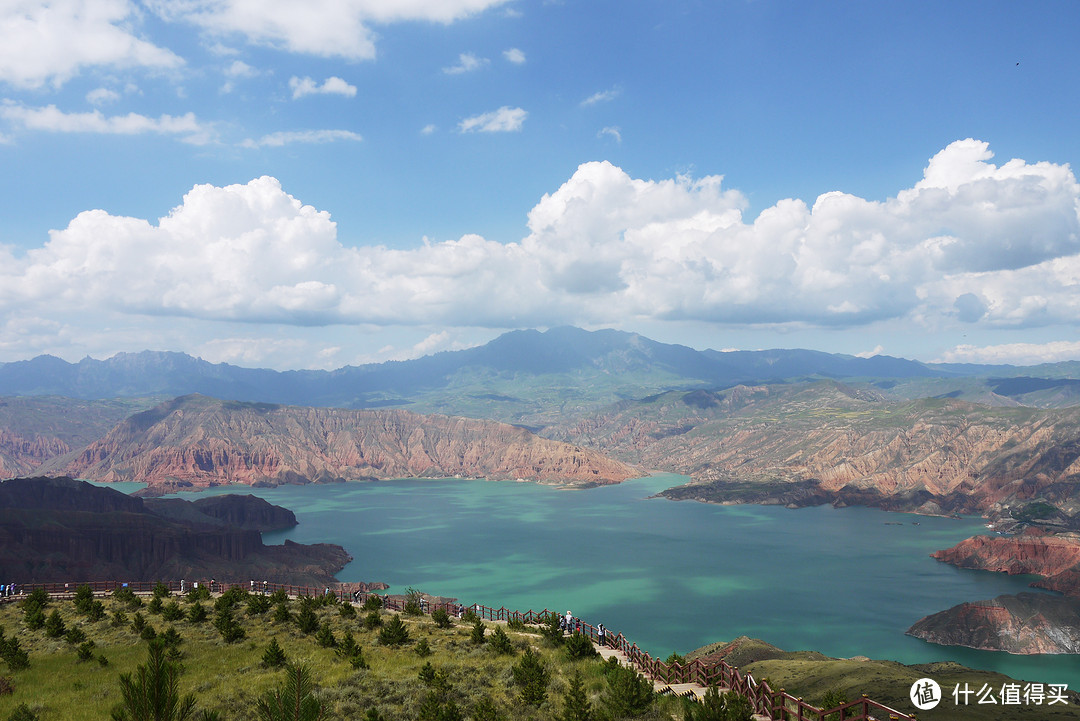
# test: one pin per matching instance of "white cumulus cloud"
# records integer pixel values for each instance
(467, 62)
(331, 86)
(602, 248)
(52, 119)
(503, 120)
(515, 56)
(1014, 353)
(328, 28)
(51, 42)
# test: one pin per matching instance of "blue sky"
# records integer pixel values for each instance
(317, 184)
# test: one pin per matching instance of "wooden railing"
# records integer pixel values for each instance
(777, 705)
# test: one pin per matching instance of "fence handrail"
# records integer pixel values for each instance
(765, 701)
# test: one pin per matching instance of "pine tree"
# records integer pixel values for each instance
(54, 625)
(325, 636)
(152, 694)
(294, 701)
(477, 635)
(500, 642)
(576, 706)
(628, 692)
(530, 674)
(394, 633)
(274, 655)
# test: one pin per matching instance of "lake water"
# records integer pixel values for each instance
(672, 576)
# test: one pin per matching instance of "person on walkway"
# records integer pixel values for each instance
(601, 635)
(568, 625)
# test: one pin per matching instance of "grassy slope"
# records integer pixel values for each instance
(229, 677)
(809, 675)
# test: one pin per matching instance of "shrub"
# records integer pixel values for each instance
(427, 673)
(279, 596)
(258, 605)
(54, 625)
(22, 712)
(500, 642)
(155, 606)
(102, 661)
(357, 659)
(675, 658)
(628, 693)
(306, 620)
(148, 633)
(172, 612)
(161, 590)
(153, 691)
(532, 677)
(373, 620)
(325, 636)
(477, 634)
(347, 646)
(580, 646)
(138, 623)
(170, 638)
(274, 655)
(372, 603)
(394, 633)
(373, 715)
(84, 597)
(231, 598)
(226, 625)
(281, 613)
(469, 616)
(13, 654)
(127, 597)
(202, 593)
(515, 624)
(97, 611)
(34, 618)
(441, 618)
(551, 631)
(119, 618)
(347, 610)
(294, 700)
(576, 706)
(715, 706)
(413, 602)
(486, 710)
(74, 635)
(834, 697)
(85, 651)
(38, 597)
(423, 649)
(197, 613)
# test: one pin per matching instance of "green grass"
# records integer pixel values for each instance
(229, 678)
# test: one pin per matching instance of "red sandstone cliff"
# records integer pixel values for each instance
(205, 441)
(1054, 557)
(1027, 623)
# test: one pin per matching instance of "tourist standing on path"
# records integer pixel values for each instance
(601, 635)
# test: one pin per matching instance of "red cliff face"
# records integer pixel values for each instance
(1055, 557)
(1028, 623)
(203, 441)
(20, 455)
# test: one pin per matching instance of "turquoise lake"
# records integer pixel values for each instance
(672, 576)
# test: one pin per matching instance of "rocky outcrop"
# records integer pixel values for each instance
(1027, 623)
(1055, 557)
(57, 529)
(832, 442)
(247, 512)
(20, 455)
(204, 441)
(35, 430)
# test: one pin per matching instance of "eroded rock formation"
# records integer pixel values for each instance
(204, 441)
(1027, 623)
(1055, 557)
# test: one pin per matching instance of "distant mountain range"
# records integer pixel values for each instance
(521, 376)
